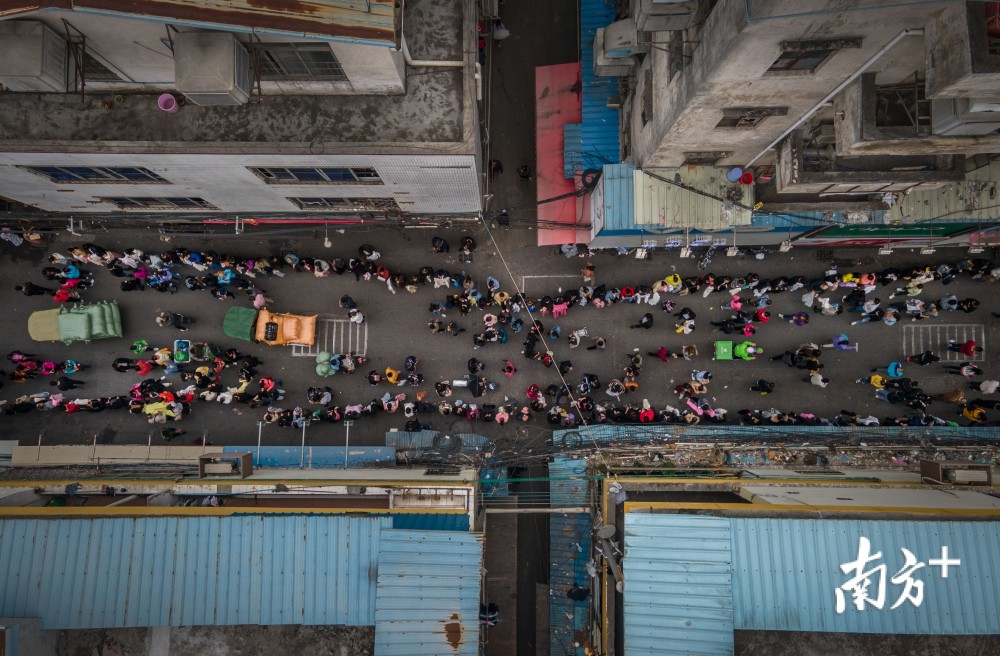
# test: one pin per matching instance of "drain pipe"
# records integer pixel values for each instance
(914, 31)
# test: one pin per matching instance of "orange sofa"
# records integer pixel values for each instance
(285, 329)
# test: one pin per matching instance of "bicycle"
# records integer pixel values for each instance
(706, 259)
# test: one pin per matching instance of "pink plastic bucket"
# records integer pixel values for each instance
(168, 103)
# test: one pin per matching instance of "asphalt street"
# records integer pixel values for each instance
(397, 328)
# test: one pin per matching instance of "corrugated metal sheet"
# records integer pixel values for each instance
(428, 593)
(319, 457)
(430, 522)
(638, 434)
(678, 586)
(599, 130)
(170, 571)
(569, 551)
(361, 21)
(572, 149)
(974, 199)
(568, 482)
(556, 104)
(661, 204)
(617, 198)
(785, 573)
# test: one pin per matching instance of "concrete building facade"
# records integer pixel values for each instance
(274, 108)
(871, 97)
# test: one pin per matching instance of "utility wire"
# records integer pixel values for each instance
(520, 293)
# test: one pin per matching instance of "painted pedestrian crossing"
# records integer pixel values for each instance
(920, 338)
(336, 336)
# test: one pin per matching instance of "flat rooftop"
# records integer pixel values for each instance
(438, 108)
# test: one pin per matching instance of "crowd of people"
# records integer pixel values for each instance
(169, 389)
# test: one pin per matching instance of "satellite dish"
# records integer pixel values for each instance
(606, 532)
(620, 586)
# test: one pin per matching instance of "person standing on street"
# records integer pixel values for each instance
(31, 289)
(65, 384)
(645, 322)
(967, 348)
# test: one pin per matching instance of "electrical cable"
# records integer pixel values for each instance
(520, 293)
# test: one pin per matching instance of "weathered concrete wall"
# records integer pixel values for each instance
(135, 49)
(418, 182)
(728, 68)
(958, 61)
(220, 641)
(31, 639)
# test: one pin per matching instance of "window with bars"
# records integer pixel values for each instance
(95, 71)
(747, 118)
(807, 56)
(96, 174)
(148, 203)
(299, 61)
(346, 204)
(316, 175)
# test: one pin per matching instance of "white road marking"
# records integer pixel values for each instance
(336, 336)
(920, 338)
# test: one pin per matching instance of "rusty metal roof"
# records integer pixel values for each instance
(361, 21)
(427, 595)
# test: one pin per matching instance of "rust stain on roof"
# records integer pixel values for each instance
(349, 19)
(453, 632)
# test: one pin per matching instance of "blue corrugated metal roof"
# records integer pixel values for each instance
(430, 522)
(678, 590)
(572, 149)
(428, 593)
(172, 571)
(618, 198)
(785, 573)
(600, 123)
(569, 551)
(568, 482)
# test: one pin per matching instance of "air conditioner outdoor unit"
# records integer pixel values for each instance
(32, 57)
(966, 476)
(664, 15)
(605, 66)
(621, 39)
(964, 116)
(211, 68)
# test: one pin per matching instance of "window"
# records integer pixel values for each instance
(706, 157)
(299, 61)
(95, 174)
(747, 118)
(807, 56)
(95, 71)
(310, 175)
(173, 203)
(346, 204)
